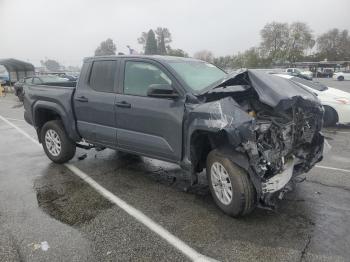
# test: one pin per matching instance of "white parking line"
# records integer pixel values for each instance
(335, 132)
(334, 168)
(137, 214)
(15, 119)
(20, 130)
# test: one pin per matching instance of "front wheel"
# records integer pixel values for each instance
(56, 143)
(330, 117)
(230, 185)
(340, 78)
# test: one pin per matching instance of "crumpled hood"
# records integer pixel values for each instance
(277, 92)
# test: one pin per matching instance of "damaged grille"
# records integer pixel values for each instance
(279, 138)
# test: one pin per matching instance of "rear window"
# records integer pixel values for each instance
(102, 76)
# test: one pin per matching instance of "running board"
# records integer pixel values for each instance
(85, 146)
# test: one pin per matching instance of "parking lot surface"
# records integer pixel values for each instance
(47, 212)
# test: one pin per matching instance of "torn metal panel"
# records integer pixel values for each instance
(278, 181)
(274, 91)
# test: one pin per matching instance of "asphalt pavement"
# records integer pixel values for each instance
(49, 213)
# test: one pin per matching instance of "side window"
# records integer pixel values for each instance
(102, 76)
(28, 80)
(36, 81)
(140, 75)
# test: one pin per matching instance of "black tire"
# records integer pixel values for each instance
(330, 117)
(243, 192)
(68, 146)
(340, 78)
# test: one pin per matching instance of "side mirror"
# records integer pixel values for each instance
(162, 91)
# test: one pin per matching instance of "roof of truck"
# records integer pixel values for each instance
(153, 57)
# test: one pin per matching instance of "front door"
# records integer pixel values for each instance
(94, 101)
(148, 125)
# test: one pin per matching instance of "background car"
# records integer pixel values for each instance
(298, 73)
(41, 79)
(325, 72)
(69, 76)
(5, 79)
(340, 76)
(335, 102)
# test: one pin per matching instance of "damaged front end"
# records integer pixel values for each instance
(272, 122)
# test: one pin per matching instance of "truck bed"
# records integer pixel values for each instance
(55, 96)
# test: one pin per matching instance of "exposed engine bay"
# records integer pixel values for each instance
(278, 131)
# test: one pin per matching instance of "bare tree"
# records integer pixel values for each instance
(283, 43)
(163, 39)
(275, 40)
(300, 39)
(142, 39)
(334, 45)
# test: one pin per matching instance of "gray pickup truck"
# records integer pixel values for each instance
(253, 132)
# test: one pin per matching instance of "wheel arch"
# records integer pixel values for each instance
(202, 142)
(331, 108)
(47, 111)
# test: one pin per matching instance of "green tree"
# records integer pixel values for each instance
(176, 52)
(106, 48)
(151, 44)
(51, 65)
(224, 62)
(204, 55)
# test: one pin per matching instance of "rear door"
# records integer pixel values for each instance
(94, 101)
(148, 125)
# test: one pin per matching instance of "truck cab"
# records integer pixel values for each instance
(113, 107)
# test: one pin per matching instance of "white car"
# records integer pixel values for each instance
(335, 102)
(340, 76)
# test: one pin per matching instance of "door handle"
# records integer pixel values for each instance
(123, 104)
(81, 99)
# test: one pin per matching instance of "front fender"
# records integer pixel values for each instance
(223, 115)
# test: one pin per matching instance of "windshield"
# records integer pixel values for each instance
(52, 79)
(197, 75)
(314, 85)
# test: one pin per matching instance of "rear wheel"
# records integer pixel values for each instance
(56, 143)
(340, 78)
(330, 117)
(230, 185)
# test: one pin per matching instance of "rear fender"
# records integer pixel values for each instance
(66, 117)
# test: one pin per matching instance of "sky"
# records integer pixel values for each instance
(69, 30)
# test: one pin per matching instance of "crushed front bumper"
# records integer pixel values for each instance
(278, 181)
